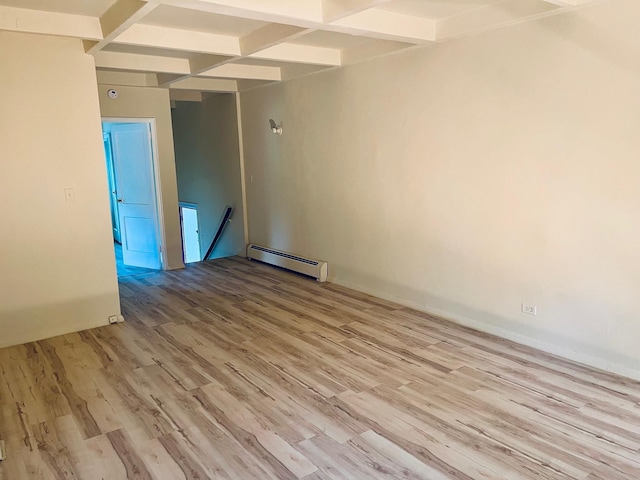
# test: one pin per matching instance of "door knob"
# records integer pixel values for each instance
(119, 200)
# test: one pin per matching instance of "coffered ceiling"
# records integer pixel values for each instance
(194, 46)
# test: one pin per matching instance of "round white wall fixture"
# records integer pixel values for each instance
(112, 93)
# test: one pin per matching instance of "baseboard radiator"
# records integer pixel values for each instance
(307, 266)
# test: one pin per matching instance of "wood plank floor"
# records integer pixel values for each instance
(235, 370)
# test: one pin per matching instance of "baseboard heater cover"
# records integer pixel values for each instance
(307, 266)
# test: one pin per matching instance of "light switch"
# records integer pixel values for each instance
(69, 195)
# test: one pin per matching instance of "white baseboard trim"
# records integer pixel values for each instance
(554, 349)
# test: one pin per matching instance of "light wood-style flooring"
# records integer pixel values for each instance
(236, 370)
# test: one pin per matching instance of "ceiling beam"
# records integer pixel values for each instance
(268, 36)
(165, 80)
(185, 96)
(206, 85)
(352, 16)
(130, 79)
(49, 23)
(333, 10)
(388, 26)
(249, 84)
(197, 66)
(493, 16)
(248, 72)
(204, 62)
(177, 39)
(213, 67)
(278, 11)
(291, 52)
(141, 63)
(122, 15)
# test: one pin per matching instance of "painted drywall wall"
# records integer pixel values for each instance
(57, 265)
(472, 176)
(138, 102)
(208, 168)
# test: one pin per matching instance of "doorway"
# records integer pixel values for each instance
(190, 232)
(134, 197)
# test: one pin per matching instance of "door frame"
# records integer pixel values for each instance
(115, 216)
(156, 178)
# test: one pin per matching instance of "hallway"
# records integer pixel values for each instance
(125, 270)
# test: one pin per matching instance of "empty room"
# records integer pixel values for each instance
(319, 239)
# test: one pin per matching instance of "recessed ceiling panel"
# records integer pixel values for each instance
(91, 8)
(184, 18)
(434, 9)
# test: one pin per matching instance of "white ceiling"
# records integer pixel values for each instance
(435, 9)
(234, 45)
(158, 52)
(175, 17)
(93, 8)
(321, 38)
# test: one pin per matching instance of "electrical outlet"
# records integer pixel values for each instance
(113, 319)
(529, 309)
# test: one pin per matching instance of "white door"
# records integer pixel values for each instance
(135, 184)
(190, 235)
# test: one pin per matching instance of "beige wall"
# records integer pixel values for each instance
(139, 102)
(208, 168)
(467, 178)
(57, 269)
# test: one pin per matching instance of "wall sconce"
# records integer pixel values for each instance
(276, 129)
